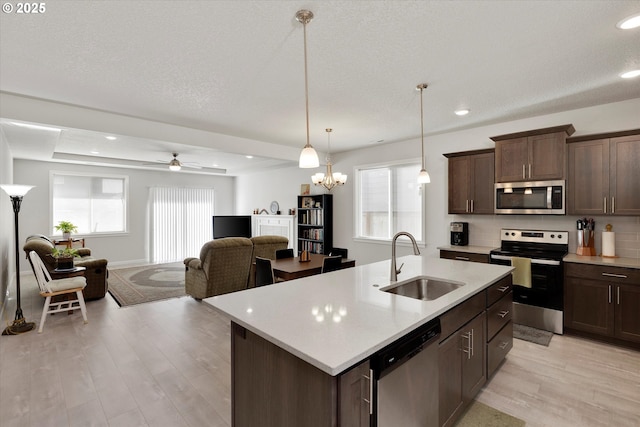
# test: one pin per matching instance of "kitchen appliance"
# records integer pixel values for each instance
(541, 305)
(535, 197)
(406, 380)
(459, 233)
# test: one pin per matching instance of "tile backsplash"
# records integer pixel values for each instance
(485, 230)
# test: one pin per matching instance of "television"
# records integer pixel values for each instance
(231, 226)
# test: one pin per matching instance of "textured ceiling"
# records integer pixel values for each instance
(236, 67)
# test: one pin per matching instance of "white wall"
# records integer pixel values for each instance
(131, 248)
(7, 260)
(257, 190)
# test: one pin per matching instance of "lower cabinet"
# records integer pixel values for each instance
(354, 396)
(603, 301)
(464, 256)
(462, 368)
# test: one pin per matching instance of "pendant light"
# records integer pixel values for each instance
(423, 177)
(331, 179)
(308, 156)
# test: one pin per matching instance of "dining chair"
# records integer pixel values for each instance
(339, 251)
(284, 253)
(50, 288)
(331, 263)
(264, 272)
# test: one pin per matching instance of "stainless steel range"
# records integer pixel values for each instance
(539, 306)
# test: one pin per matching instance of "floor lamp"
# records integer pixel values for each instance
(19, 325)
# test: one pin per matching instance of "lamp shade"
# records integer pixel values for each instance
(423, 177)
(309, 158)
(14, 190)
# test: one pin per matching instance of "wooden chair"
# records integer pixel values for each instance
(50, 288)
(339, 251)
(331, 263)
(284, 253)
(264, 272)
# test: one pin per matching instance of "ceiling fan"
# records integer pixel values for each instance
(176, 165)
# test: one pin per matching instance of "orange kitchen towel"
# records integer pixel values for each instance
(522, 272)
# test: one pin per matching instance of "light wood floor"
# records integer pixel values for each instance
(167, 364)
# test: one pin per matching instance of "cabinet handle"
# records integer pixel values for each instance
(618, 295)
(370, 400)
(463, 258)
(605, 205)
(619, 276)
(503, 289)
(523, 174)
(466, 207)
(609, 294)
(503, 313)
(472, 206)
(469, 349)
(472, 343)
(529, 170)
(503, 345)
(613, 205)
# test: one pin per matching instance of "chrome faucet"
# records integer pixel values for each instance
(395, 271)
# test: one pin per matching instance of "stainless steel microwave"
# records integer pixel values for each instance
(536, 197)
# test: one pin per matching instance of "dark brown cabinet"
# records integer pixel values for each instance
(603, 301)
(471, 175)
(499, 324)
(603, 174)
(536, 155)
(461, 358)
(354, 400)
(464, 256)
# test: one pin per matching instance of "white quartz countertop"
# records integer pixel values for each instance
(484, 250)
(598, 260)
(335, 320)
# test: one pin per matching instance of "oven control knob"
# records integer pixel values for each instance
(506, 234)
(553, 235)
(559, 236)
(513, 234)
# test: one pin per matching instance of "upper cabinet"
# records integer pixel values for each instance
(471, 182)
(604, 174)
(536, 155)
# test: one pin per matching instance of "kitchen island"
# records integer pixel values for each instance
(299, 346)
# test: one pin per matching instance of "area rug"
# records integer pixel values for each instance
(129, 286)
(527, 333)
(481, 415)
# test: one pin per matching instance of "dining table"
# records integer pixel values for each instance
(294, 268)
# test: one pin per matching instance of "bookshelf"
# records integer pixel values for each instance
(315, 223)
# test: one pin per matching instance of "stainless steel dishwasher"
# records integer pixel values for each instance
(406, 380)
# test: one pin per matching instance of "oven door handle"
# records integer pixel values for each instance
(533, 260)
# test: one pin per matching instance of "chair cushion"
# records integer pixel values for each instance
(68, 283)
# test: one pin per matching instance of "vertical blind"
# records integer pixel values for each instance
(181, 222)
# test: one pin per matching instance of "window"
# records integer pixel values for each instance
(389, 199)
(95, 204)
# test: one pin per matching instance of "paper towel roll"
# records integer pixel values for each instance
(608, 244)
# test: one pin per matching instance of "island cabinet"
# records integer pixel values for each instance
(471, 175)
(461, 358)
(602, 301)
(603, 174)
(464, 256)
(499, 323)
(534, 155)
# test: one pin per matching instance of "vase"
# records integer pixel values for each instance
(66, 235)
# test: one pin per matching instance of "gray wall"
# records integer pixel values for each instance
(127, 249)
(7, 259)
(257, 190)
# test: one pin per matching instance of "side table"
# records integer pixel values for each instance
(69, 242)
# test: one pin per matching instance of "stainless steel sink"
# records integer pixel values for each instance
(423, 287)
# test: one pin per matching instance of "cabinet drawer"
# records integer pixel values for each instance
(464, 256)
(499, 289)
(602, 272)
(499, 314)
(498, 348)
(453, 319)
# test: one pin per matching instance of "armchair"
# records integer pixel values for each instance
(223, 267)
(96, 273)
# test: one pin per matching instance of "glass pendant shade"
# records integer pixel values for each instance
(309, 158)
(423, 177)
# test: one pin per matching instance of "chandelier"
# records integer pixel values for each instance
(330, 179)
(423, 177)
(308, 156)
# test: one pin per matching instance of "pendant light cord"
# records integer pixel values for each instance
(306, 78)
(422, 125)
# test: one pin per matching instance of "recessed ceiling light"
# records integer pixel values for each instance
(111, 138)
(629, 22)
(38, 127)
(94, 152)
(630, 74)
(462, 112)
(249, 157)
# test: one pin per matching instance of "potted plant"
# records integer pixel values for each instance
(67, 228)
(64, 257)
